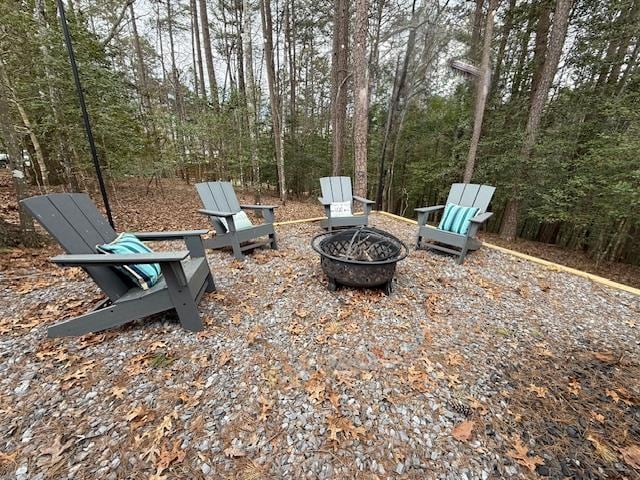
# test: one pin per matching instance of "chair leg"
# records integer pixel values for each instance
(235, 245)
(463, 254)
(273, 241)
(211, 284)
(183, 302)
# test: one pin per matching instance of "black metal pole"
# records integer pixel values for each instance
(83, 107)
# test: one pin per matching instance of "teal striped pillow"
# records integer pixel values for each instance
(456, 219)
(143, 275)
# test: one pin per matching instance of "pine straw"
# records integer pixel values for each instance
(578, 408)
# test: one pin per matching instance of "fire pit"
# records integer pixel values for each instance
(359, 257)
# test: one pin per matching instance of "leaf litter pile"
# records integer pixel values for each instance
(494, 369)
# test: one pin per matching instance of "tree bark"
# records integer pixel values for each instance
(251, 98)
(276, 113)
(476, 33)
(339, 77)
(10, 140)
(196, 35)
(208, 56)
(504, 38)
(361, 115)
(481, 94)
(553, 52)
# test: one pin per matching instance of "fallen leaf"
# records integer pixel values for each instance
(225, 356)
(118, 392)
(614, 396)
(631, 455)
(520, 454)
(574, 386)
(168, 457)
(56, 450)
(605, 357)
(597, 417)
(541, 392)
(462, 431)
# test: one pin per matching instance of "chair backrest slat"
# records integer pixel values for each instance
(471, 195)
(336, 189)
(218, 196)
(77, 225)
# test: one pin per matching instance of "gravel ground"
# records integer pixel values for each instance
(291, 381)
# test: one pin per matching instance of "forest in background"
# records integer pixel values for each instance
(277, 93)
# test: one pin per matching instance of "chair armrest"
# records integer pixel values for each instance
(108, 259)
(429, 209)
(483, 217)
(363, 200)
(259, 207)
(323, 202)
(214, 213)
(159, 236)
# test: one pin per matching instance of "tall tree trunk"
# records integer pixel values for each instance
(553, 52)
(542, 36)
(143, 85)
(179, 111)
(397, 103)
(208, 56)
(476, 33)
(361, 115)
(196, 35)
(339, 77)
(267, 29)
(504, 38)
(374, 54)
(10, 140)
(251, 96)
(481, 94)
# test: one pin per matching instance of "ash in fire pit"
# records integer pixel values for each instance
(359, 257)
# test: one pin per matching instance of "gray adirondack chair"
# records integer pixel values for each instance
(466, 195)
(75, 222)
(220, 202)
(338, 189)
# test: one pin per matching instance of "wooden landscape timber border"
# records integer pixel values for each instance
(524, 256)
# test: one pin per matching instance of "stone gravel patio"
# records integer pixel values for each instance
(497, 368)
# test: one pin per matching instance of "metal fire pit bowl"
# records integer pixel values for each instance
(359, 257)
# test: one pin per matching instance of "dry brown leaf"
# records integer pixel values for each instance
(574, 387)
(118, 392)
(541, 392)
(266, 405)
(520, 454)
(316, 386)
(462, 431)
(7, 458)
(605, 357)
(597, 417)
(56, 450)
(168, 457)
(224, 358)
(631, 455)
(254, 333)
(614, 396)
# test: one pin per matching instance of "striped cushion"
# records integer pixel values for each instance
(143, 275)
(456, 219)
(240, 220)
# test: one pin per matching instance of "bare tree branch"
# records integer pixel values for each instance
(116, 26)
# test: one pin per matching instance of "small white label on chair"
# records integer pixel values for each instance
(340, 209)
